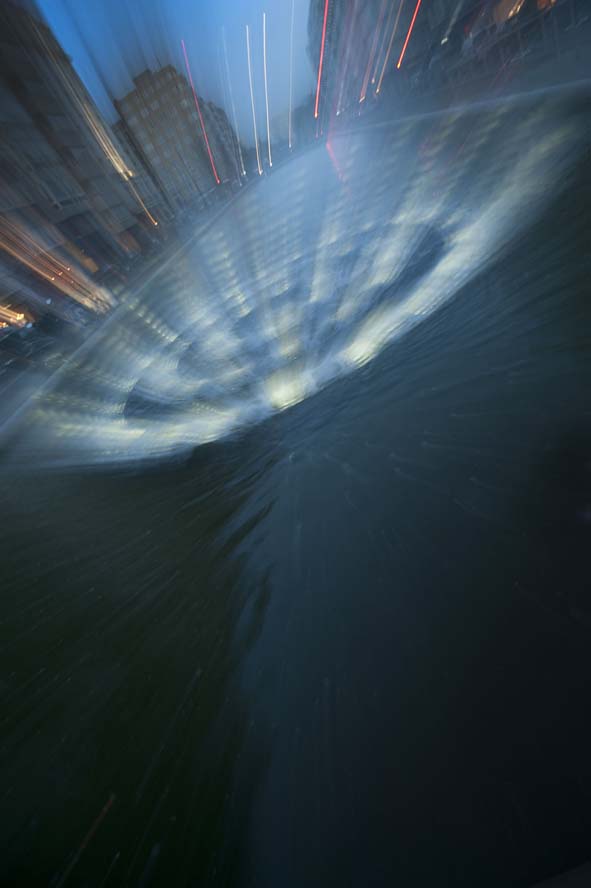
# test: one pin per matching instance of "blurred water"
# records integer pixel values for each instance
(307, 276)
(348, 645)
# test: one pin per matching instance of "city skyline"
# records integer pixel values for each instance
(112, 45)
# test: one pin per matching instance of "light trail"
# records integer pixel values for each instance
(215, 172)
(290, 72)
(321, 61)
(385, 33)
(351, 12)
(372, 51)
(394, 29)
(135, 193)
(452, 22)
(266, 87)
(412, 24)
(242, 169)
(254, 119)
(80, 102)
(11, 318)
(333, 160)
(227, 106)
(29, 251)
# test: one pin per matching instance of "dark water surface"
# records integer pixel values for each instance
(349, 647)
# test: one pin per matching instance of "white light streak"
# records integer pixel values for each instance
(234, 119)
(254, 118)
(290, 74)
(266, 87)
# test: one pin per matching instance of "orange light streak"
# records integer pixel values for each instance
(80, 101)
(395, 28)
(17, 242)
(320, 63)
(142, 204)
(215, 172)
(412, 24)
(11, 318)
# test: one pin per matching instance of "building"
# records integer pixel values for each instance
(354, 45)
(407, 48)
(184, 145)
(69, 215)
(351, 39)
(145, 179)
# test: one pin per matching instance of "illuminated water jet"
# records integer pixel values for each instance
(305, 277)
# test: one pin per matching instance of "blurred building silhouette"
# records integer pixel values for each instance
(348, 41)
(70, 217)
(160, 130)
(302, 129)
(462, 48)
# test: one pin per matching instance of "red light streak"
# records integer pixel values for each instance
(334, 161)
(412, 24)
(320, 63)
(215, 172)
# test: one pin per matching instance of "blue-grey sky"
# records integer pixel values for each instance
(110, 41)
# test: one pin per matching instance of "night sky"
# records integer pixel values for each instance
(111, 41)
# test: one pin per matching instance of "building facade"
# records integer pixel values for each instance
(359, 49)
(184, 150)
(69, 216)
